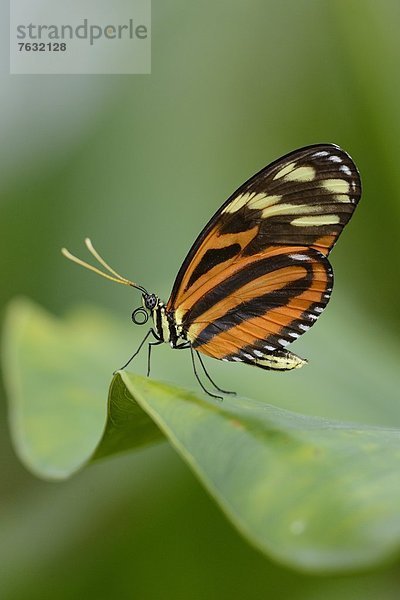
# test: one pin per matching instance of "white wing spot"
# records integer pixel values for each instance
(285, 170)
(337, 186)
(271, 348)
(258, 353)
(342, 198)
(283, 342)
(236, 359)
(237, 203)
(248, 356)
(316, 220)
(261, 201)
(335, 159)
(294, 335)
(313, 317)
(345, 169)
(318, 309)
(299, 256)
(304, 327)
(320, 154)
(289, 209)
(301, 174)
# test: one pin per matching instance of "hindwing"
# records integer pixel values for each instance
(260, 308)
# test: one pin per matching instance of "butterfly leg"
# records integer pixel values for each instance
(198, 378)
(137, 351)
(209, 377)
(151, 344)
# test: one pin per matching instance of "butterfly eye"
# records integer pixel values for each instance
(150, 301)
(140, 316)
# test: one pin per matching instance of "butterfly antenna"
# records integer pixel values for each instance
(116, 277)
(101, 260)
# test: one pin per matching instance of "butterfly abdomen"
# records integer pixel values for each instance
(279, 360)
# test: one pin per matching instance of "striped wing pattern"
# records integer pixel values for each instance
(257, 276)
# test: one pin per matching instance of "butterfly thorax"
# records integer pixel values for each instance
(165, 326)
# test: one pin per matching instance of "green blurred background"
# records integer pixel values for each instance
(140, 163)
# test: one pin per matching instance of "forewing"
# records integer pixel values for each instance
(253, 313)
(303, 199)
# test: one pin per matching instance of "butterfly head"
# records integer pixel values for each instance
(150, 301)
(141, 315)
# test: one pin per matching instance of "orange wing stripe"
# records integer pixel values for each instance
(272, 323)
(214, 241)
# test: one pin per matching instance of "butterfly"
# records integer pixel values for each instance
(258, 275)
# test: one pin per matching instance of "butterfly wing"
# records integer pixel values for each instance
(261, 307)
(266, 247)
(302, 199)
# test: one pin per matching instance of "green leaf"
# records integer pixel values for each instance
(57, 374)
(314, 493)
